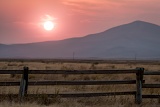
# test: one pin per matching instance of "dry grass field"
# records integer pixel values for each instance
(110, 101)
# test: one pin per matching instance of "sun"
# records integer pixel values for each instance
(48, 25)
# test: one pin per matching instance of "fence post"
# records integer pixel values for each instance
(139, 81)
(24, 83)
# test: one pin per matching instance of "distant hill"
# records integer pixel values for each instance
(137, 39)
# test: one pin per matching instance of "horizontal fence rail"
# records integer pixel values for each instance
(139, 82)
(66, 95)
(147, 73)
(70, 71)
(70, 82)
(151, 86)
(152, 73)
(151, 96)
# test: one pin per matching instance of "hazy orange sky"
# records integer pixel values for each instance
(21, 20)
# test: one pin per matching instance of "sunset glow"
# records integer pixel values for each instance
(28, 21)
(48, 25)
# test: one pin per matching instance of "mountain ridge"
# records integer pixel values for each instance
(134, 22)
(138, 37)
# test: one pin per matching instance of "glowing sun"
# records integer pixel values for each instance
(48, 25)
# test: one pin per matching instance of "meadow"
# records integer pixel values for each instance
(109, 101)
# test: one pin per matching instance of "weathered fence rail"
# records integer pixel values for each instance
(151, 73)
(69, 71)
(94, 82)
(146, 73)
(139, 82)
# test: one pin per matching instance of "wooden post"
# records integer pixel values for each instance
(139, 81)
(26, 79)
(24, 83)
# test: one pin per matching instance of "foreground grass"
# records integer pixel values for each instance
(85, 102)
(114, 101)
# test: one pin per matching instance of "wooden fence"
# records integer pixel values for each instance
(139, 82)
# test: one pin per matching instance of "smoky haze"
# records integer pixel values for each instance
(136, 39)
(20, 19)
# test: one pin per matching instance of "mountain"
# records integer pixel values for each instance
(140, 39)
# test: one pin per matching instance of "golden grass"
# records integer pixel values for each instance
(114, 101)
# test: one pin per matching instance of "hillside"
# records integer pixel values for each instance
(140, 39)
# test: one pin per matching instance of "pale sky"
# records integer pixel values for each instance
(21, 21)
